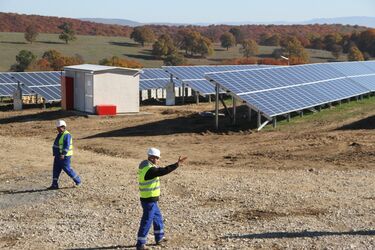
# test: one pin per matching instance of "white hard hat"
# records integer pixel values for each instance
(60, 123)
(153, 152)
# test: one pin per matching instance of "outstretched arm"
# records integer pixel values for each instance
(155, 172)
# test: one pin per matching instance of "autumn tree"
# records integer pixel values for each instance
(297, 54)
(317, 43)
(164, 46)
(23, 59)
(227, 40)
(249, 48)
(366, 41)
(238, 36)
(189, 41)
(57, 61)
(194, 43)
(116, 61)
(204, 47)
(270, 40)
(67, 33)
(142, 35)
(31, 33)
(336, 51)
(355, 54)
(331, 40)
(174, 59)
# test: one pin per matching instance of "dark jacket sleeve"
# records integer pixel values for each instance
(155, 172)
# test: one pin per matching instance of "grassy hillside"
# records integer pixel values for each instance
(94, 48)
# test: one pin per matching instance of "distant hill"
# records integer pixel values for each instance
(12, 22)
(355, 20)
(124, 22)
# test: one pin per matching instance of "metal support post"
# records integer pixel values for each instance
(234, 110)
(259, 119)
(274, 121)
(217, 106)
(249, 114)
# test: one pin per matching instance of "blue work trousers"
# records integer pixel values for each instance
(151, 215)
(63, 164)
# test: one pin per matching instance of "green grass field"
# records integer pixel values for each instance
(94, 48)
(337, 113)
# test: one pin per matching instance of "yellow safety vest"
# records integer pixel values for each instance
(61, 144)
(148, 188)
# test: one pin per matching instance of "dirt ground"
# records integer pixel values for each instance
(306, 185)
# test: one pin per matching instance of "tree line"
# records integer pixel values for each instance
(53, 60)
(357, 45)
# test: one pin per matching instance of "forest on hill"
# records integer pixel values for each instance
(12, 22)
(174, 45)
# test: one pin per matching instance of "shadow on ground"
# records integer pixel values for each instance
(304, 234)
(51, 42)
(144, 56)
(10, 42)
(8, 106)
(124, 44)
(366, 123)
(109, 247)
(42, 116)
(186, 123)
(30, 191)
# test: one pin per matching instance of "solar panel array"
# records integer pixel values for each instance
(281, 90)
(193, 76)
(155, 78)
(45, 84)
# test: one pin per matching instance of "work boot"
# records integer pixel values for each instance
(142, 247)
(52, 187)
(162, 242)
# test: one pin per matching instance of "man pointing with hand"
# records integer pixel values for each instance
(149, 188)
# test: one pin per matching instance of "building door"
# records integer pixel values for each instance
(69, 93)
(89, 93)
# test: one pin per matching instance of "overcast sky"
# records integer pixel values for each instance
(194, 11)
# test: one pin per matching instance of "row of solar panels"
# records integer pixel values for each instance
(269, 89)
(281, 90)
(48, 84)
(45, 84)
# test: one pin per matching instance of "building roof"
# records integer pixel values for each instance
(93, 68)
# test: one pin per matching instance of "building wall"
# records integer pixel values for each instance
(119, 90)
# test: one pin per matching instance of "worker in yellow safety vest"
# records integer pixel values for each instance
(149, 188)
(62, 152)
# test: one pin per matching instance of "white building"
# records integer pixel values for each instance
(87, 86)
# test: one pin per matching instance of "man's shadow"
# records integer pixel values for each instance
(303, 234)
(31, 191)
(109, 247)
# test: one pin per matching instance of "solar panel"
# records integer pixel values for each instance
(359, 72)
(7, 89)
(193, 76)
(370, 65)
(154, 73)
(282, 90)
(367, 81)
(155, 78)
(351, 68)
(45, 84)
